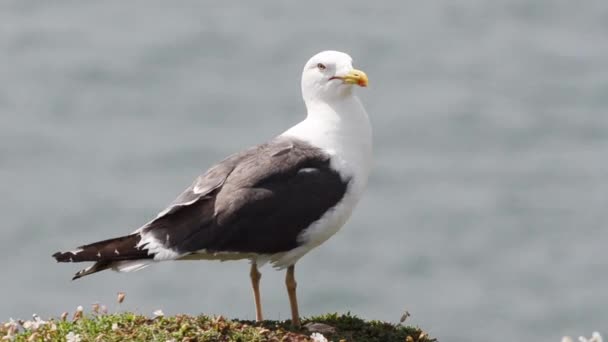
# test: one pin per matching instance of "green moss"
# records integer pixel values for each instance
(133, 327)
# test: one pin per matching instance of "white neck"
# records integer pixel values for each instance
(342, 128)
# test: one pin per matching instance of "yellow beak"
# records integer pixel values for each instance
(355, 76)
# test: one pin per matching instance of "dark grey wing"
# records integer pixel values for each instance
(205, 184)
(257, 201)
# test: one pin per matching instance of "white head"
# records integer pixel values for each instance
(329, 76)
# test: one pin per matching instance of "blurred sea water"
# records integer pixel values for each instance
(486, 214)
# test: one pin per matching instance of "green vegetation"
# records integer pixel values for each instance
(135, 327)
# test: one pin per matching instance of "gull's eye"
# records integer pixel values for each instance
(321, 66)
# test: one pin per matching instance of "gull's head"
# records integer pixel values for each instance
(329, 75)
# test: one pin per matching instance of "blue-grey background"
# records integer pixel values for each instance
(486, 213)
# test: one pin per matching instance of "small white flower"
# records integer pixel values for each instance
(114, 326)
(595, 337)
(38, 320)
(80, 308)
(34, 324)
(71, 337)
(158, 313)
(317, 337)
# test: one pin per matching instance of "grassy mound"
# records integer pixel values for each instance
(134, 327)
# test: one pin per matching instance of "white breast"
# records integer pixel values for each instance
(342, 130)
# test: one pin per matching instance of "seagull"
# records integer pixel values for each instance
(271, 203)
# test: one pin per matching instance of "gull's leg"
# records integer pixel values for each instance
(255, 284)
(290, 282)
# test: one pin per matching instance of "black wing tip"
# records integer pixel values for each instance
(64, 256)
(60, 256)
(67, 257)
